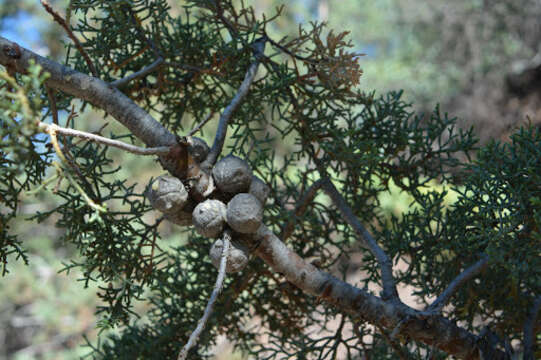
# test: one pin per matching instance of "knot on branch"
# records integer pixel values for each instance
(12, 51)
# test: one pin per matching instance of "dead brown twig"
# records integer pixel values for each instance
(59, 19)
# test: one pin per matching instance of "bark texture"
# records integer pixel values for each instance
(97, 92)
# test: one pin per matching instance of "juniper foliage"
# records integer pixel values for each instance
(304, 119)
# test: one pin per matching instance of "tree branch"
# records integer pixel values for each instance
(221, 132)
(162, 150)
(52, 104)
(290, 53)
(433, 330)
(302, 204)
(201, 124)
(143, 72)
(529, 330)
(453, 287)
(140, 31)
(91, 203)
(385, 264)
(402, 353)
(208, 310)
(60, 20)
(93, 90)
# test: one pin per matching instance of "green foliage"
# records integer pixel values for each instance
(500, 199)
(23, 159)
(302, 120)
(117, 245)
(20, 104)
(496, 213)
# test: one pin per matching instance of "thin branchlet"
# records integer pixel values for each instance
(139, 74)
(385, 264)
(225, 117)
(192, 341)
(60, 20)
(162, 150)
(460, 280)
(300, 208)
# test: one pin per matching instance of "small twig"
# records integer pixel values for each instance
(52, 134)
(191, 68)
(399, 327)
(52, 104)
(141, 33)
(92, 90)
(43, 185)
(161, 150)
(68, 11)
(59, 19)
(71, 161)
(143, 72)
(399, 350)
(529, 330)
(303, 203)
(58, 182)
(220, 15)
(464, 276)
(201, 124)
(221, 132)
(73, 114)
(248, 279)
(385, 264)
(208, 310)
(290, 53)
(77, 170)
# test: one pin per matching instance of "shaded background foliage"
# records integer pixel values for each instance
(426, 55)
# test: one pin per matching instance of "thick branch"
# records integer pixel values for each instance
(432, 330)
(453, 287)
(529, 330)
(385, 264)
(93, 90)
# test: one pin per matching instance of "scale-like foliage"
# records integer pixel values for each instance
(303, 120)
(23, 159)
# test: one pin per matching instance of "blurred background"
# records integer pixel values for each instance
(479, 60)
